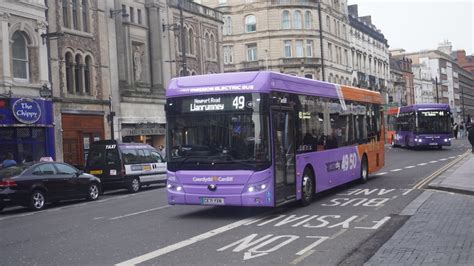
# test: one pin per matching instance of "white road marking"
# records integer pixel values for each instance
(395, 170)
(140, 212)
(302, 257)
(383, 173)
(409, 167)
(452, 157)
(98, 218)
(421, 164)
(433, 161)
(444, 159)
(342, 231)
(184, 243)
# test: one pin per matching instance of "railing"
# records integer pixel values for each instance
(252, 64)
(300, 61)
(294, 2)
(197, 9)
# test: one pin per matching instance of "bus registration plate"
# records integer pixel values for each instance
(433, 143)
(212, 201)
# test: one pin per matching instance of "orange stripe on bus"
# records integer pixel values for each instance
(356, 94)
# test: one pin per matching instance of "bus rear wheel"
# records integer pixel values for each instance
(364, 170)
(307, 187)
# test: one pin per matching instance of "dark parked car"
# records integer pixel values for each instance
(35, 185)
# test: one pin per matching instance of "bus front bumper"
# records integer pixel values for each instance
(261, 199)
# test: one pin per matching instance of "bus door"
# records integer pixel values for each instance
(284, 146)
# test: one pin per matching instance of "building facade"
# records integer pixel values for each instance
(79, 56)
(148, 40)
(302, 38)
(423, 83)
(26, 115)
(369, 54)
(466, 83)
(445, 72)
(402, 90)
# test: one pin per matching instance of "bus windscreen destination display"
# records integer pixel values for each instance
(231, 102)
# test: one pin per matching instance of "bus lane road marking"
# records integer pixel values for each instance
(162, 251)
(140, 212)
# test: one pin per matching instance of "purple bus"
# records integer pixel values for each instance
(266, 139)
(423, 125)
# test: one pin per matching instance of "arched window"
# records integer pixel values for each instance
(328, 24)
(78, 74)
(20, 56)
(191, 41)
(178, 40)
(297, 19)
(87, 75)
(308, 20)
(85, 21)
(75, 22)
(285, 20)
(69, 73)
(208, 46)
(65, 14)
(250, 23)
(213, 47)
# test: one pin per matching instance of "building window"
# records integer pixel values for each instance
(69, 73)
(75, 22)
(139, 16)
(87, 75)
(65, 14)
(227, 25)
(250, 23)
(328, 24)
(213, 47)
(191, 41)
(299, 48)
(287, 49)
(78, 75)
(285, 20)
(208, 46)
(132, 15)
(297, 20)
(221, 2)
(252, 52)
(308, 20)
(309, 48)
(20, 56)
(228, 55)
(308, 76)
(330, 51)
(85, 20)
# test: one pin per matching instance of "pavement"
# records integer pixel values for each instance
(440, 230)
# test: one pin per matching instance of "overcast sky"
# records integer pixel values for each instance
(416, 25)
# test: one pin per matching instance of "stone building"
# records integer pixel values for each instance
(423, 83)
(445, 72)
(26, 117)
(369, 54)
(79, 59)
(302, 38)
(148, 46)
(466, 83)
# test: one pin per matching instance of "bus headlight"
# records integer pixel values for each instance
(446, 140)
(174, 187)
(257, 187)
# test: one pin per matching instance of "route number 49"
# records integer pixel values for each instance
(349, 161)
(239, 102)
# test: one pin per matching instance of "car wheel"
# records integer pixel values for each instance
(93, 192)
(37, 200)
(364, 170)
(307, 187)
(134, 185)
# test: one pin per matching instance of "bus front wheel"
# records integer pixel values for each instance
(307, 187)
(364, 170)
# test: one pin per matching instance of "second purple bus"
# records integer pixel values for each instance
(423, 125)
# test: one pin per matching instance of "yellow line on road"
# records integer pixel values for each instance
(430, 178)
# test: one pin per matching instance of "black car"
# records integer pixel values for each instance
(35, 185)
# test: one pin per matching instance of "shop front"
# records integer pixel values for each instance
(150, 133)
(26, 129)
(79, 131)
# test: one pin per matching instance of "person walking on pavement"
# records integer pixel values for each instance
(471, 136)
(461, 130)
(455, 130)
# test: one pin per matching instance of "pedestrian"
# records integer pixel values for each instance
(9, 161)
(471, 136)
(161, 150)
(455, 130)
(461, 129)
